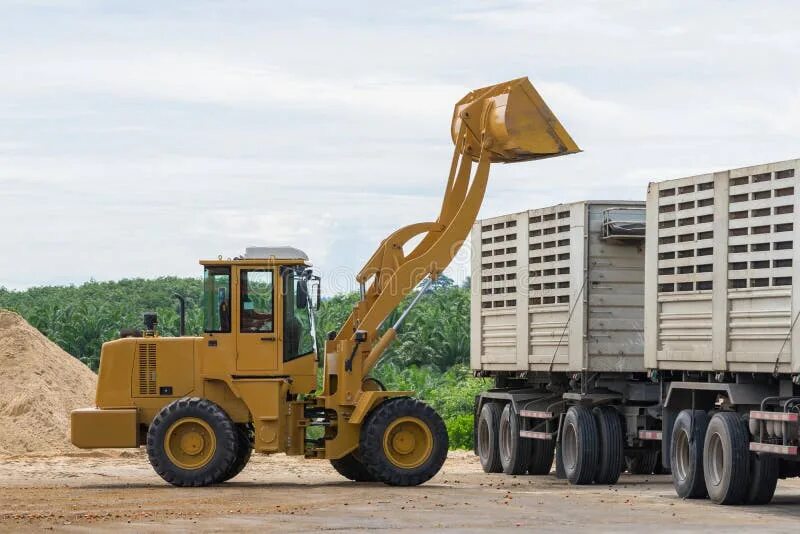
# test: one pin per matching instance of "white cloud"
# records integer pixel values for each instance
(192, 130)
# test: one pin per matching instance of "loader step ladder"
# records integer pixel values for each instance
(654, 435)
(535, 414)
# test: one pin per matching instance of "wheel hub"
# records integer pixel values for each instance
(408, 442)
(190, 443)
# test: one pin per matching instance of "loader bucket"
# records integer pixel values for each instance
(518, 122)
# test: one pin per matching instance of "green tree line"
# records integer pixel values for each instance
(430, 355)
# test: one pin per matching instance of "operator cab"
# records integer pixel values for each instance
(259, 307)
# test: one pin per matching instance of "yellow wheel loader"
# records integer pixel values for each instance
(201, 405)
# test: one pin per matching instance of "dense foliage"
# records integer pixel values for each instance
(430, 356)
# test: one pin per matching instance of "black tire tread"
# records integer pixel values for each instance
(764, 474)
(490, 412)
(738, 468)
(542, 452)
(371, 442)
(351, 468)
(587, 446)
(611, 451)
(696, 487)
(224, 456)
(244, 450)
(517, 464)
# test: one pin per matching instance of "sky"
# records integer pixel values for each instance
(139, 137)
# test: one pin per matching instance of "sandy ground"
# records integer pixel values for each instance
(79, 493)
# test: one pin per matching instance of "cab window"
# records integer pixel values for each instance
(256, 301)
(217, 299)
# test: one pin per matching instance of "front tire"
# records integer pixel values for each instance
(403, 442)
(192, 442)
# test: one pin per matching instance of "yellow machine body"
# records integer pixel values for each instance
(249, 375)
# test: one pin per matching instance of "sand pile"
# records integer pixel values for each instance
(39, 385)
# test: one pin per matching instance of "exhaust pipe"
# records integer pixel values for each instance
(182, 301)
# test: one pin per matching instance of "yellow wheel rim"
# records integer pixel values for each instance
(190, 443)
(408, 442)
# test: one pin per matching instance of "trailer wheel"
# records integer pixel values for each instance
(487, 443)
(726, 461)
(244, 449)
(686, 454)
(610, 455)
(403, 442)
(579, 445)
(764, 471)
(644, 463)
(192, 442)
(351, 468)
(541, 459)
(515, 451)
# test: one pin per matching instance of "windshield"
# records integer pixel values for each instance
(298, 320)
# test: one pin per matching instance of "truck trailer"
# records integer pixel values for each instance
(657, 337)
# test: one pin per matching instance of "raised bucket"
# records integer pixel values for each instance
(519, 123)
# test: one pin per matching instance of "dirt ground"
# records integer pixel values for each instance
(121, 493)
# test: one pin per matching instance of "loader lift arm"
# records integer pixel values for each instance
(503, 123)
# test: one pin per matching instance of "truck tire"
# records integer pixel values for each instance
(610, 456)
(515, 451)
(644, 463)
(403, 442)
(244, 449)
(192, 442)
(686, 454)
(726, 458)
(580, 445)
(541, 460)
(764, 471)
(487, 442)
(351, 468)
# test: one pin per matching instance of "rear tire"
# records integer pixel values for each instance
(726, 461)
(580, 445)
(515, 451)
(403, 442)
(351, 468)
(764, 471)
(192, 442)
(686, 454)
(541, 460)
(487, 443)
(644, 463)
(610, 455)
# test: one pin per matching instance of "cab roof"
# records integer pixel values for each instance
(261, 255)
